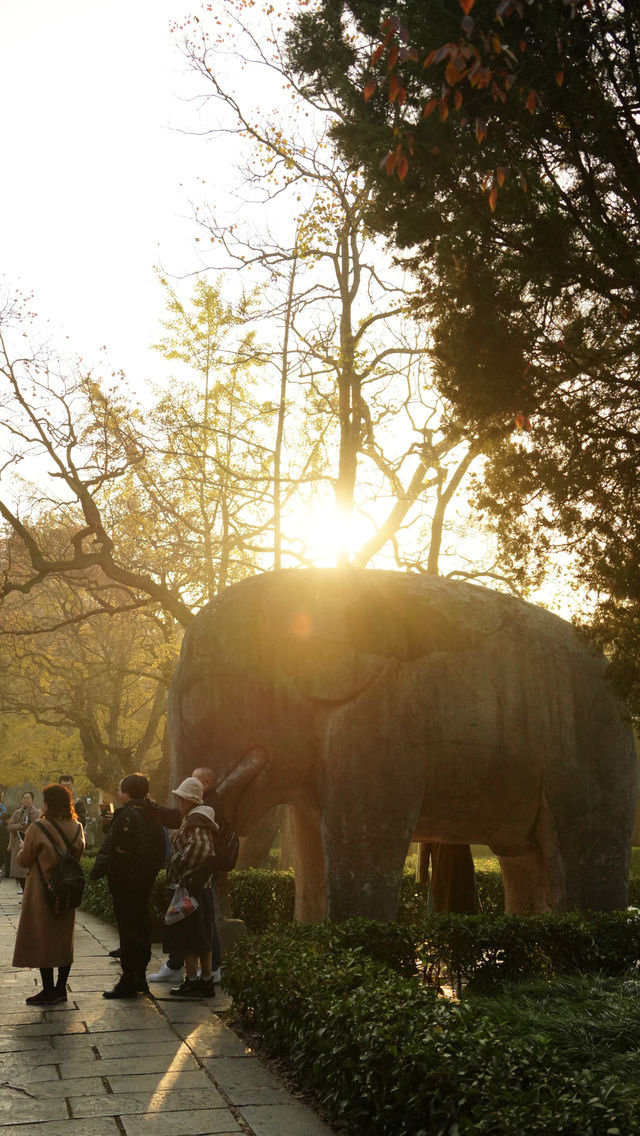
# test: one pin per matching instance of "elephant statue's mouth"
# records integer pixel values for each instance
(239, 778)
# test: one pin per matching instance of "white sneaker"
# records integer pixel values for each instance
(166, 974)
(217, 976)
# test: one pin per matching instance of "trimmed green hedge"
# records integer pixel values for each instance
(265, 898)
(381, 1051)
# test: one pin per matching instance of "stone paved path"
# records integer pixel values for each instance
(92, 1067)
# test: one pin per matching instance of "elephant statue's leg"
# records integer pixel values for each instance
(309, 864)
(369, 817)
(533, 873)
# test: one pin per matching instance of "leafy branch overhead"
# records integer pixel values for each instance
(483, 66)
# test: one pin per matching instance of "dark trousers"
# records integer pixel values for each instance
(131, 908)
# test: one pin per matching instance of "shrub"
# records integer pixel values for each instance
(384, 1054)
(262, 898)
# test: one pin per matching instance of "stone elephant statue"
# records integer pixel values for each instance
(385, 707)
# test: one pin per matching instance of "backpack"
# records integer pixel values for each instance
(63, 890)
(226, 845)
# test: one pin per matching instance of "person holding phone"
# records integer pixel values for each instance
(18, 824)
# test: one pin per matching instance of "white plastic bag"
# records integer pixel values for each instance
(181, 905)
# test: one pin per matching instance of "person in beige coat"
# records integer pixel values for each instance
(45, 940)
(17, 824)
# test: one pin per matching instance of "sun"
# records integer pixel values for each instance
(324, 533)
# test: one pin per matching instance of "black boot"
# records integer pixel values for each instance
(141, 982)
(189, 988)
(125, 987)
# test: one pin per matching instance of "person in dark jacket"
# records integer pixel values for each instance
(130, 857)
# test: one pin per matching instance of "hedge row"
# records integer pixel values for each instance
(382, 1052)
(264, 898)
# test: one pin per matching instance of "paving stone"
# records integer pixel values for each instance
(200, 1122)
(160, 1082)
(213, 1039)
(59, 1025)
(22, 1044)
(103, 1126)
(43, 1090)
(107, 1021)
(284, 1120)
(20, 1107)
(135, 1040)
(123, 1104)
(130, 1066)
(110, 1046)
(246, 1082)
(19, 1072)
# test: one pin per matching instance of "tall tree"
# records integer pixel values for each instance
(526, 245)
(355, 346)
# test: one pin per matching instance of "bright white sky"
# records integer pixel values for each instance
(96, 186)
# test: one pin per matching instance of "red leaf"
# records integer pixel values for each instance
(466, 5)
(429, 108)
(377, 55)
(481, 129)
(531, 102)
(559, 78)
(502, 173)
(493, 198)
(454, 70)
(390, 162)
(444, 110)
(370, 88)
(394, 88)
(457, 99)
(403, 166)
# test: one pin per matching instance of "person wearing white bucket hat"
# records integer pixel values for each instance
(192, 865)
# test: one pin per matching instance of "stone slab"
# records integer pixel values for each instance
(105, 1126)
(129, 1066)
(198, 1122)
(18, 1108)
(213, 1039)
(246, 1082)
(22, 1071)
(58, 1025)
(284, 1120)
(166, 1081)
(23, 1044)
(45, 1090)
(126, 1103)
(110, 1046)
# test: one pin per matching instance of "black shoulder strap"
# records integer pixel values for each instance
(58, 830)
(61, 833)
(49, 836)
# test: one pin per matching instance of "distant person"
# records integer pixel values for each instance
(44, 939)
(192, 865)
(18, 824)
(4, 839)
(130, 856)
